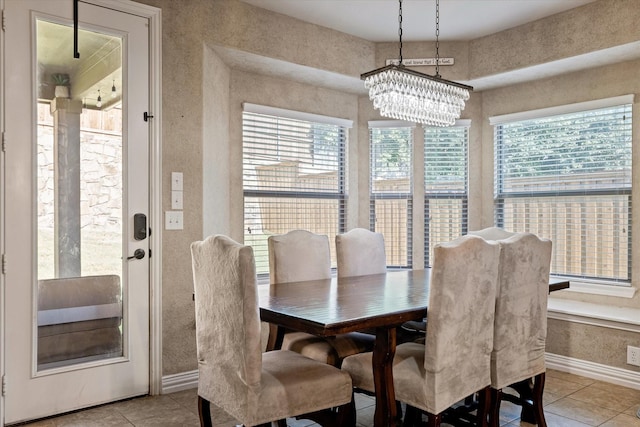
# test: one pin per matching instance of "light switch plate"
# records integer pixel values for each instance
(633, 355)
(176, 181)
(176, 199)
(173, 220)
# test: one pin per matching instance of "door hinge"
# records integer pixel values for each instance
(4, 385)
(4, 144)
(3, 27)
(4, 264)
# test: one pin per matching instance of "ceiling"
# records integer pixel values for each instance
(377, 20)
(373, 20)
(460, 20)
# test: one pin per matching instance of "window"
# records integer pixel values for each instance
(293, 176)
(390, 188)
(445, 183)
(567, 176)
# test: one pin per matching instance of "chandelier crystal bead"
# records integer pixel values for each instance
(404, 94)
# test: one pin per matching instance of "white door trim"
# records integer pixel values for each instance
(155, 192)
(2, 216)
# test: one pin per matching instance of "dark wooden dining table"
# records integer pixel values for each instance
(329, 307)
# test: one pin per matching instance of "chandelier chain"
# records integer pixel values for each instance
(400, 28)
(438, 38)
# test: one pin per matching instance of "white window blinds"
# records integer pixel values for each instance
(567, 177)
(293, 178)
(445, 179)
(391, 165)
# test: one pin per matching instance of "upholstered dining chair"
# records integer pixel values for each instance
(455, 360)
(360, 251)
(253, 387)
(301, 255)
(521, 323)
(492, 233)
(297, 256)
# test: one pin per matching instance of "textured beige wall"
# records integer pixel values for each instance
(182, 130)
(596, 344)
(246, 28)
(599, 25)
(202, 108)
(216, 215)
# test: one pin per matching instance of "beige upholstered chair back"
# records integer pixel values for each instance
(521, 309)
(297, 256)
(360, 252)
(492, 233)
(461, 310)
(227, 324)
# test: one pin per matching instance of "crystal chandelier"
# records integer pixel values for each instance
(404, 94)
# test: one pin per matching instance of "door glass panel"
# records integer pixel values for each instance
(79, 197)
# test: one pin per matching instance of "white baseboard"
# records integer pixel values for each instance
(597, 371)
(179, 382)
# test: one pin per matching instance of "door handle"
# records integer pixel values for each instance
(138, 254)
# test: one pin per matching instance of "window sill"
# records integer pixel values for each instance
(608, 316)
(601, 288)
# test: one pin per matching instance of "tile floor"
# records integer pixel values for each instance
(570, 401)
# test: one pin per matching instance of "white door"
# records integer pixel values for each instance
(76, 201)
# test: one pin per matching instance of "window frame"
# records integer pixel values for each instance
(500, 196)
(408, 195)
(341, 191)
(452, 194)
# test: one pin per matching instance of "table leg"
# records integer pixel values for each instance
(276, 335)
(386, 414)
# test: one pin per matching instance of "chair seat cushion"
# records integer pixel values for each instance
(331, 350)
(352, 343)
(359, 366)
(289, 380)
(408, 362)
(311, 346)
(414, 325)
